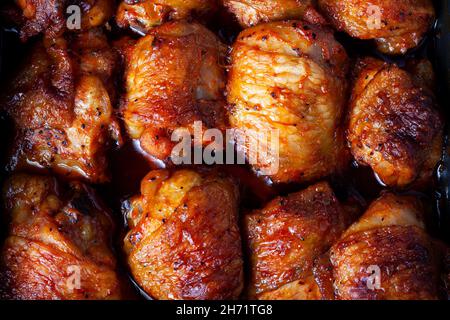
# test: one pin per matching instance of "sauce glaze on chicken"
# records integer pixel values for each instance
(59, 242)
(395, 126)
(287, 236)
(184, 240)
(174, 77)
(222, 232)
(389, 242)
(61, 103)
(143, 15)
(50, 17)
(291, 76)
(252, 12)
(396, 26)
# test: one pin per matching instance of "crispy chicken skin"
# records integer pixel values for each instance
(174, 77)
(50, 17)
(394, 125)
(290, 76)
(389, 236)
(184, 241)
(252, 12)
(54, 236)
(287, 236)
(143, 15)
(396, 26)
(61, 106)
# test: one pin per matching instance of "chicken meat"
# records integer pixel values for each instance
(184, 240)
(252, 12)
(394, 124)
(61, 105)
(143, 15)
(287, 236)
(53, 17)
(288, 79)
(396, 26)
(175, 78)
(59, 242)
(386, 255)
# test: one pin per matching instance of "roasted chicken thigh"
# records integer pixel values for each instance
(184, 241)
(394, 125)
(286, 237)
(252, 12)
(58, 243)
(290, 78)
(53, 17)
(396, 26)
(174, 78)
(61, 106)
(143, 15)
(251, 157)
(387, 254)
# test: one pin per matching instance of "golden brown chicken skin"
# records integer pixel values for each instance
(290, 76)
(387, 254)
(287, 236)
(396, 26)
(184, 241)
(394, 125)
(174, 77)
(143, 15)
(53, 17)
(61, 105)
(252, 12)
(58, 244)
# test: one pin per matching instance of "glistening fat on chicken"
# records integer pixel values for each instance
(184, 240)
(58, 244)
(394, 124)
(291, 76)
(174, 77)
(61, 103)
(386, 255)
(49, 17)
(252, 12)
(286, 237)
(396, 26)
(143, 15)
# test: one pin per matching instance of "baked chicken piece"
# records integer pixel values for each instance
(143, 15)
(61, 105)
(58, 244)
(184, 241)
(396, 26)
(394, 126)
(289, 77)
(252, 12)
(174, 77)
(53, 17)
(387, 254)
(286, 237)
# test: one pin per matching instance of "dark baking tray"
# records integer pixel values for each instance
(441, 59)
(436, 47)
